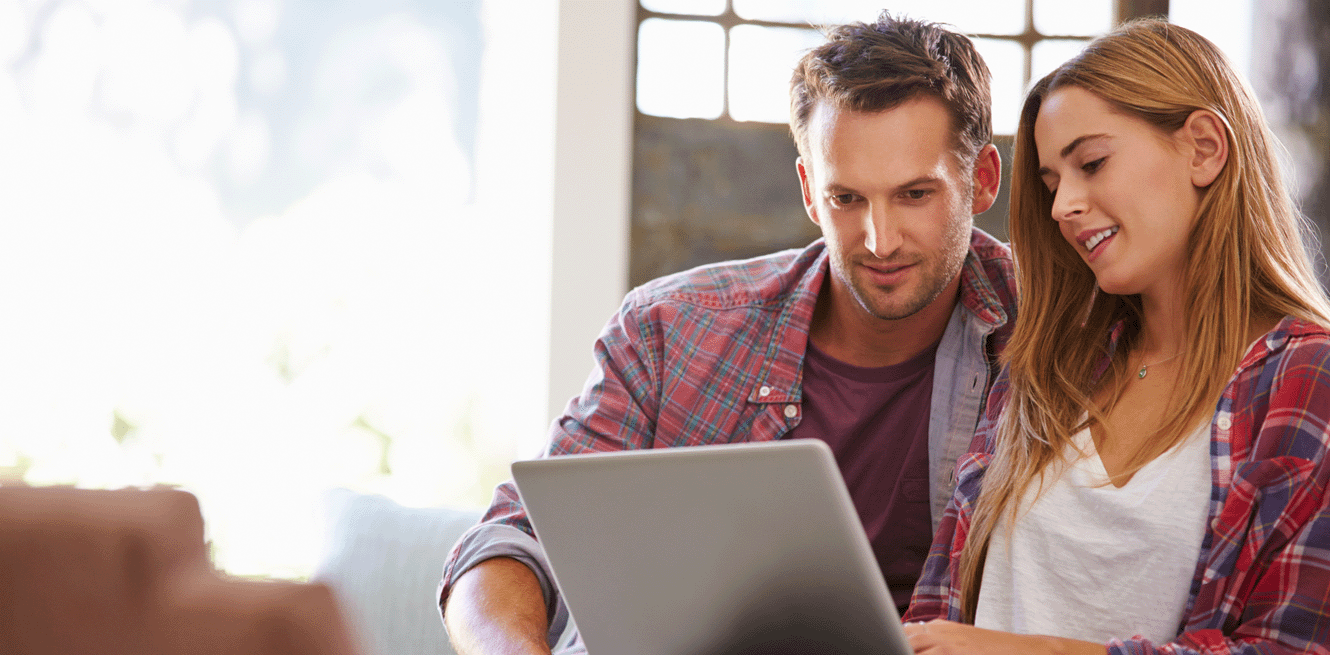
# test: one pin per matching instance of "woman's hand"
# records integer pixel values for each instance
(947, 638)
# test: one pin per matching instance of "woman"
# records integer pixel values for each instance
(1153, 477)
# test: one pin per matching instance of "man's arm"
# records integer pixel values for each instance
(497, 608)
(504, 601)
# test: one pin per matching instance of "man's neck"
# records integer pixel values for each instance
(842, 329)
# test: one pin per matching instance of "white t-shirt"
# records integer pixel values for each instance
(1092, 561)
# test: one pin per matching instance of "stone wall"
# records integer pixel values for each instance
(708, 191)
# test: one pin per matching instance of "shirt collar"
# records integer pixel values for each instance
(783, 379)
(977, 294)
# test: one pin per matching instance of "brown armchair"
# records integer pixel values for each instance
(126, 572)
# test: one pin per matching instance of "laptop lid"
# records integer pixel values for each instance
(736, 548)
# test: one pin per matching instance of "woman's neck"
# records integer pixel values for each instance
(1163, 322)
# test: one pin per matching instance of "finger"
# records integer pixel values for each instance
(921, 642)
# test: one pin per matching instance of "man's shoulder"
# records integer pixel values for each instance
(769, 279)
(994, 257)
(988, 282)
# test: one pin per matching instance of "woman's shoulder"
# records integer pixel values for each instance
(1297, 344)
(1281, 394)
(1290, 364)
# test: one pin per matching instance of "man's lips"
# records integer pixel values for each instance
(887, 273)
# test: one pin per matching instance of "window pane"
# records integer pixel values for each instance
(979, 16)
(761, 61)
(680, 68)
(974, 16)
(692, 7)
(1228, 23)
(1051, 53)
(812, 12)
(1057, 17)
(1006, 60)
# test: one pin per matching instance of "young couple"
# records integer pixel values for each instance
(1148, 472)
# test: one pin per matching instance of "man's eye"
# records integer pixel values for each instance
(843, 198)
(916, 194)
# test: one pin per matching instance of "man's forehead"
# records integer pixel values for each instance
(908, 140)
(823, 119)
(922, 109)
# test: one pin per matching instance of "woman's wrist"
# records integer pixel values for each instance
(1064, 646)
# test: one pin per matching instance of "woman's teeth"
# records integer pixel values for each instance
(1094, 240)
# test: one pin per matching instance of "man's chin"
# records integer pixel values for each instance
(895, 308)
(900, 302)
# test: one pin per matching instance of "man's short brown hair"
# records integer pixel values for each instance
(873, 67)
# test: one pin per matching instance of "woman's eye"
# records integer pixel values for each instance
(1093, 166)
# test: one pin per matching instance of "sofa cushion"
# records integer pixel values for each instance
(384, 561)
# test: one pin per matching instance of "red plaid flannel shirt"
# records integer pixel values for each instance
(1262, 581)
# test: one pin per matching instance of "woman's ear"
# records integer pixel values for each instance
(1207, 137)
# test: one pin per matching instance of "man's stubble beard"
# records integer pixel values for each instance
(930, 283)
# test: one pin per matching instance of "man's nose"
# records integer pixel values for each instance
(882, 236)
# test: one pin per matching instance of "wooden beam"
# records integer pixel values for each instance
(1129, 9)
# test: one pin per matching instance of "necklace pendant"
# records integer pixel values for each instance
(1141, 373)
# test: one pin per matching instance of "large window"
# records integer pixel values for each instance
(261, 248)
(716, 59)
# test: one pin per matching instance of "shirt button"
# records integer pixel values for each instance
(764, 392)
(791, 411)
(1224, 423)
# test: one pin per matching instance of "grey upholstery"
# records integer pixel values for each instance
(384, 562)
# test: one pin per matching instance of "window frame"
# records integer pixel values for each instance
(1027, 39)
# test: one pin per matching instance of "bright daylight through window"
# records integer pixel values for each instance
(249, 249)
(737, 61)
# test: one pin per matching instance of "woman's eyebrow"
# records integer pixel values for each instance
(1076, 143)
(1070, 148)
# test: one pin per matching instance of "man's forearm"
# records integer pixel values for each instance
(497, 608)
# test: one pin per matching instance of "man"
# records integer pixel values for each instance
(880, 338)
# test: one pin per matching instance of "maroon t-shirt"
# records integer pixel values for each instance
(876, 422)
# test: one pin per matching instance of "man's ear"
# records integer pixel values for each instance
(1206, 135)
(806, 186)
(987, 178)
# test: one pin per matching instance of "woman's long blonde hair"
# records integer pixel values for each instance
(1246, 258)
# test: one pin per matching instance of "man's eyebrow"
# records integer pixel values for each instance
(919, 181)
(1070, 148)
(837, 187)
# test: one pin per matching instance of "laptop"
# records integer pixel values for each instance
(729, 549)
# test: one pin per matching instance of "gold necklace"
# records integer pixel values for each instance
(1141, 373)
